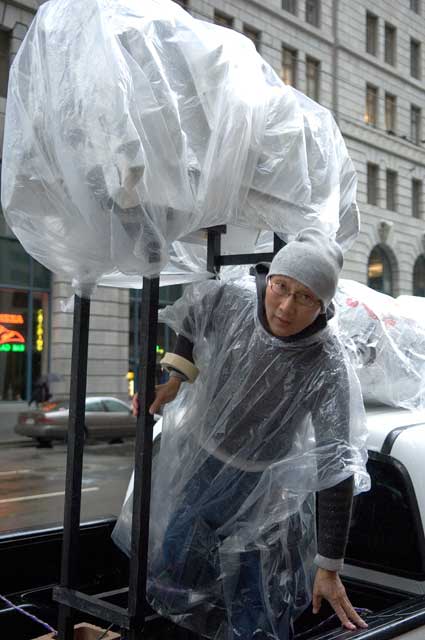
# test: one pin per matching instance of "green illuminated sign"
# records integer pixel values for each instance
(12, 347)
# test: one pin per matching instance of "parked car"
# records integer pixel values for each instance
(107, 418)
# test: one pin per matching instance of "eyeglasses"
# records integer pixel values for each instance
(281, 290)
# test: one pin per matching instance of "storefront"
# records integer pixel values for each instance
(24, 321)
(166, 338)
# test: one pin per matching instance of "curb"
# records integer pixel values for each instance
(14, 443)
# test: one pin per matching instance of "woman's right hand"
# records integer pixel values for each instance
(163, 393)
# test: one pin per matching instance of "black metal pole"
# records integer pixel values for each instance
(74, 466)
(278, 243)
(214, 247)
(143, 459)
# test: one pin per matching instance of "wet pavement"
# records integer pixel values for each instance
(32, 483)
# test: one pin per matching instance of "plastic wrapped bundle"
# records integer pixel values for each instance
(386, 341)
(266, 424)
(188, 259)
(130, 124)
(187, 263)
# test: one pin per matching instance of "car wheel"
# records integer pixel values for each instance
(42, 443)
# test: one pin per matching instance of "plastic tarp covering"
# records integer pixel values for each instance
(187, 263)
(188, 259)
(385, 338)
(131, 124)
(266, 424)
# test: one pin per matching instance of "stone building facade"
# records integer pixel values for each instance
(365, 62)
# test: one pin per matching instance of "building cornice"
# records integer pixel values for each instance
(381, 141)
(388, 69)
(19, 5)
(294, 21)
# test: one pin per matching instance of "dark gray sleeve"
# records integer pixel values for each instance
(184, 348)
(334, 515)
(332, 428)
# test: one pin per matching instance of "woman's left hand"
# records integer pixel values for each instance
(328, 585)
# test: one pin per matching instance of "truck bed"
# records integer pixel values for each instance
(30, 562)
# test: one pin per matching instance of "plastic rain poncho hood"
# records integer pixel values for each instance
(130, 124)
(277, 420)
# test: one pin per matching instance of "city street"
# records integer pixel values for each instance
(32, 483)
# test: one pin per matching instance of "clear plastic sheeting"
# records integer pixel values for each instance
(266, 424)
(131, 124)
(187, 263)
(385, 338)
(188, 259)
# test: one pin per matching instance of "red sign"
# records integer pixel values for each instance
(10, 335)
(12, 318)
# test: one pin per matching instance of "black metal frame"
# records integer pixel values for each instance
(131, 620)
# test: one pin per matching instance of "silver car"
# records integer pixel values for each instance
(107, 418)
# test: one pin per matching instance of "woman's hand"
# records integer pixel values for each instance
(328, 585)
(163, 393)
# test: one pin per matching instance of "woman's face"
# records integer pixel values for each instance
(290, 306)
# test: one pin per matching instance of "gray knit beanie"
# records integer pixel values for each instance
(313, 259)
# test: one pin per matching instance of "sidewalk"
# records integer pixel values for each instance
(8, 418)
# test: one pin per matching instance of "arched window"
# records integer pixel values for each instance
(379, 271)
(419, 277)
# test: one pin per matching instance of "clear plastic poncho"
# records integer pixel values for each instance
(266, 424)
(130, 124)
(385, 338)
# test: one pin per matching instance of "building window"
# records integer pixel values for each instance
(312, 12)
(390, 44)
(419, 277)
(371, 34)
(379, 272)
(392, 190)
(415, 124)
(166, 338)
(372, 183)
(371, 105)
(390, 112)
(24, 321)
(4, 62)
(290, 5)
(289, 66)
(313, 78)
(414, 6)
(416, 198)
(253, 34)
(415, 59)
(223, 19)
